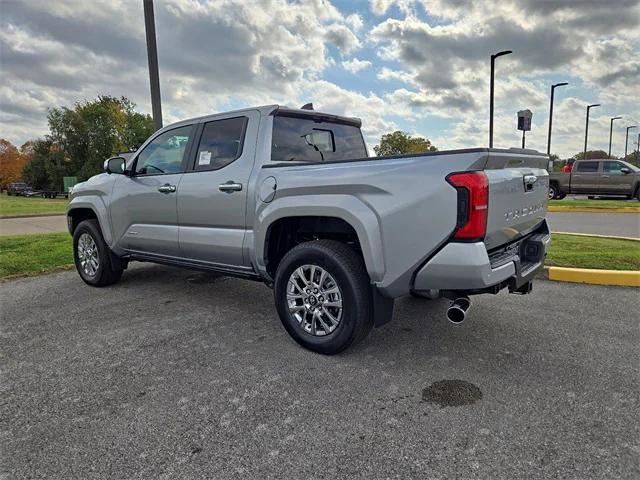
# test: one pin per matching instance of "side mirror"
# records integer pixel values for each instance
(625, 170)
(114, 165)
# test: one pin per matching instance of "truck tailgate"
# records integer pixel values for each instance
(518, 195)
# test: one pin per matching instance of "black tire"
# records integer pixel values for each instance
(105, 274)
(347, 267)
(553, 191)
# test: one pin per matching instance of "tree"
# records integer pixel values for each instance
(82, 138)
(591, 155)
(95, 131)
(11, 163)
(398, 143)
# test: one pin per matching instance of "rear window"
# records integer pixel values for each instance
(305, 140)
(220, 143)
(587, 167)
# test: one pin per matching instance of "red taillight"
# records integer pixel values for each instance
(473, 204)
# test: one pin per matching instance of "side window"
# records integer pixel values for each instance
(587, 167)
(612, 167)
(165, 153)
(220, 143)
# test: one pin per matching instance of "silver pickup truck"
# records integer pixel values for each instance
(289, 197)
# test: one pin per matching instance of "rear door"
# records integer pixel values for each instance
(212, 199)
(585, 176)
(613, 181)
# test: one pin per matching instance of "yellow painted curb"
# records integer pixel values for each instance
(624, 278)
(560, 208)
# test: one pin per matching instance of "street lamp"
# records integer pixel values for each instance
(586, 129)
(152, 57)
(553, 87)
(626, 139)
(493, 68)
(611, 132)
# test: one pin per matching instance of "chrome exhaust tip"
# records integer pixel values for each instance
(457, 311)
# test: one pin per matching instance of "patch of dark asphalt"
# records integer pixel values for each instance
(451, 393)
(205, 278)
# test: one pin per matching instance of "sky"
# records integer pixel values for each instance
(421, 66)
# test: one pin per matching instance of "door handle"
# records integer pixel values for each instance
(166, 188)
(605, 176)
(230, 187)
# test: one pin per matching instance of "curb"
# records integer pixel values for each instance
(33, 215)
(631, 239)
(622, 278)
(560, 208)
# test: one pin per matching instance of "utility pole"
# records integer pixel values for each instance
(586, 129)
(493, 68)
(626, 139)
(152, 56)
(553, 87)
(611, 132)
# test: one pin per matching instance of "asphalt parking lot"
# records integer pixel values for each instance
(177, 374)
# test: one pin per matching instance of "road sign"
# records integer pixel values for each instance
(524, 120)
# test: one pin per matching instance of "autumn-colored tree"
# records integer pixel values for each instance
(11, 163)
(399, 143)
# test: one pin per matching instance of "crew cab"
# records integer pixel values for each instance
(597, 177)
(289, 197)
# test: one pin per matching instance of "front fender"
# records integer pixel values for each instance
(96, 204)
(346, 207)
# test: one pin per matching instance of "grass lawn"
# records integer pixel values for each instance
(593, 252)
(571, 203)
(10, 206)
(34, 254)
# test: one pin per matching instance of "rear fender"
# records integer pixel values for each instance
(346, 207)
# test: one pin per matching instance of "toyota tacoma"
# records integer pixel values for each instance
(289, 197)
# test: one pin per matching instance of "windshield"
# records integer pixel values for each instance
(298, 139)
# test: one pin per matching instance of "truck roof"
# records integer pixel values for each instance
(274, 109)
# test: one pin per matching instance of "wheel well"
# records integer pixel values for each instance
(78, 215)
(286, 233)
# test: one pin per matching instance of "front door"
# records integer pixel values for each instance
(212, 199)
(585, 177)
(613, 181)
(144, 205)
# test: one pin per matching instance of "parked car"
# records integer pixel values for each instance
(289, 197)
(597, 177)
(17, 188)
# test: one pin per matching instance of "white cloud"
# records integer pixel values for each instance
(355, 65)
(355, 22)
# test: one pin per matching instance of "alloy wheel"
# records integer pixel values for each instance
(314, 300)
(88, 255)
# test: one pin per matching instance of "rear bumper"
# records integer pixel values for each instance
(471, 268)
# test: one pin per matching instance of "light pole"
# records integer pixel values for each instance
(493, 69)
(586, 129)
(626, 139)
(152, 56)
(553, 87)
(611, 132)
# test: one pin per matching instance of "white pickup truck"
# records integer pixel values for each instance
(289, 197)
